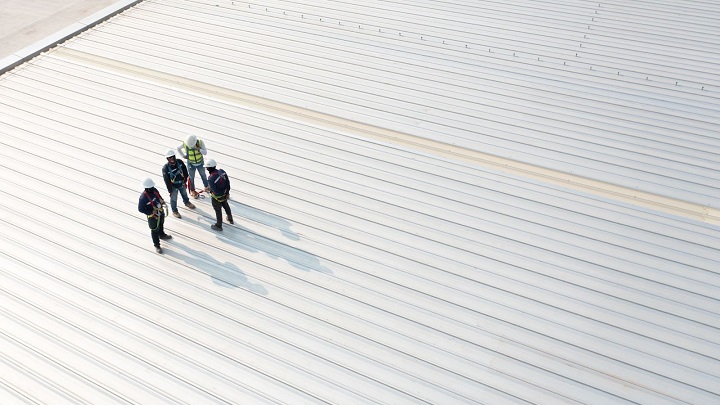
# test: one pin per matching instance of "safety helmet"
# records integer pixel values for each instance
(191, 140)
(170, 153)
(148, 183)
(210, 163)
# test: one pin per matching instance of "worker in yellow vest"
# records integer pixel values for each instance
(193, 149)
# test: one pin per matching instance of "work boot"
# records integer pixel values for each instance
(230, 220)
(216, 228)
(190, 205)
(165, 236)
(177, 215)
(158, 249)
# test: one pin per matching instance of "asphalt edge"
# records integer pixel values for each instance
(19, 57)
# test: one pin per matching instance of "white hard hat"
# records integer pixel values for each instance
(170, 153)
(191, 140)
(210, 163)
(148, 183)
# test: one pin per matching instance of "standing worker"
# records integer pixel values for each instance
(220, 192)
(175, 174)
(151, 204)
(193, 150)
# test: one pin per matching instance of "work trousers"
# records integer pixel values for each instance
(191, 175)
(218, 206)
(174, 197)
(156, 227)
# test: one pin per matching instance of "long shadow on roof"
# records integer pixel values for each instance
(223, 274)
(298, 258)
(265, 218)
(245, 239)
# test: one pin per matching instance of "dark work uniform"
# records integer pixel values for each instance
(150, 204)
(175, 175)
(219, 191)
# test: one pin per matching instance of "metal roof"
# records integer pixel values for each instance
(435, 202)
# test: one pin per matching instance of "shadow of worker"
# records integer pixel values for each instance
(242, 238)
(223, 274)
(265, 218)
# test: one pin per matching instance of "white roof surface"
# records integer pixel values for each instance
(379, 253)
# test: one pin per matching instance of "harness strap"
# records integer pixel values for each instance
(173, 172)
(219, 178)
(150, 201)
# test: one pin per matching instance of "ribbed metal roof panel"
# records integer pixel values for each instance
(358, 270)
(569, 112)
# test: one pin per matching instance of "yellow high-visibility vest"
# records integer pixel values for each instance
(193, 154)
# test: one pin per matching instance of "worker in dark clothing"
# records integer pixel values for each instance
(175, 173)
(151, 204)
(220, 192)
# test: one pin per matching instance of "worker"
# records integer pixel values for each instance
(193, 150)
(220, 193)
(151, 204)
(175, 174)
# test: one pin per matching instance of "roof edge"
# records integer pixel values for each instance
(19, 57)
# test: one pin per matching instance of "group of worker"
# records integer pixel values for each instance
(177, 175)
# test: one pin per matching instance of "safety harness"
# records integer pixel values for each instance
(156, 209)
(173, 173)
(199, 191)
(221, 180)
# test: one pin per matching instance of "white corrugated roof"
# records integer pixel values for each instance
(402, 232)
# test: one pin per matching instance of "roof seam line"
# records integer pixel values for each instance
(615, 192)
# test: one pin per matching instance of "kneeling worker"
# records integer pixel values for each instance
(220, 192)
